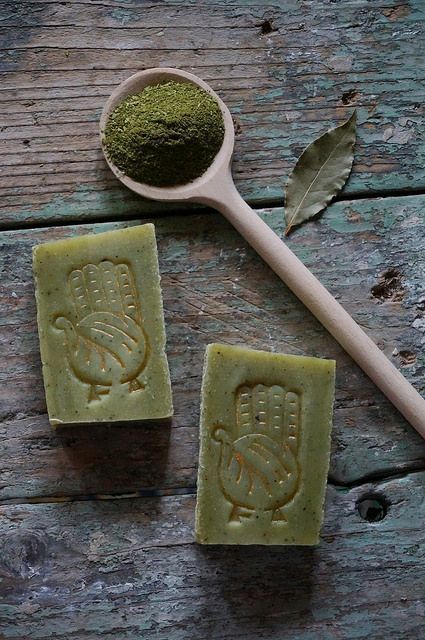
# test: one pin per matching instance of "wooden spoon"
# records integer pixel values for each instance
(215, 188)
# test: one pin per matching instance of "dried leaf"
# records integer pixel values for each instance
(320, 172)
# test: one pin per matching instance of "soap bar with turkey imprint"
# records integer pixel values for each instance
(265, 442)
(101, 328)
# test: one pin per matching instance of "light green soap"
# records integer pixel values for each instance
(265, 430)
(101, 328)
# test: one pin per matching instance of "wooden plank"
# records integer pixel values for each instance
(217, 289)
(286, 72)
(129, 569)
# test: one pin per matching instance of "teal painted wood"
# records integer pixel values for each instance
(215, 289)
(129, 570)
(288, 71)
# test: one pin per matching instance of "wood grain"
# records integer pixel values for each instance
(77, 564)
(129, 570)
(216, 288)
(287, 73)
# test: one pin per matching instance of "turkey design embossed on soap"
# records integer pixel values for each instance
(105, 341)
(258, 467)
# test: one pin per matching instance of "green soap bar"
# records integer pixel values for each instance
(265, 430)
(101, 328)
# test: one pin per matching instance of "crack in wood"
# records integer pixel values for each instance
(371, 478)
(194, 209)
(402, 471)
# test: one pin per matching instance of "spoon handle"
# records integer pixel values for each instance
(318, 300)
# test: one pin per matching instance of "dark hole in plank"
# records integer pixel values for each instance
(372, 507)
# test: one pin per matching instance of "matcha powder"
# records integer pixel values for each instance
(166, 135)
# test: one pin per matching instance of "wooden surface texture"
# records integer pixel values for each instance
(96, 524)
(287, 70)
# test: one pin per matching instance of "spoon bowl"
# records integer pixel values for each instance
(215, 188)
(189, 192)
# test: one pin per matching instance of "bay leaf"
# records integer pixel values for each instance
(320, 173)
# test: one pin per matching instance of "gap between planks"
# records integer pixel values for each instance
(376, 478)
(193, 209)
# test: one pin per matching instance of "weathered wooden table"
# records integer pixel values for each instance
(97, 523)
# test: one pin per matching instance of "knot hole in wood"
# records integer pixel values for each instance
(372, 507)
(22, 554)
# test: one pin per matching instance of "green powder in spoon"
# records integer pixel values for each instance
(166, 135)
